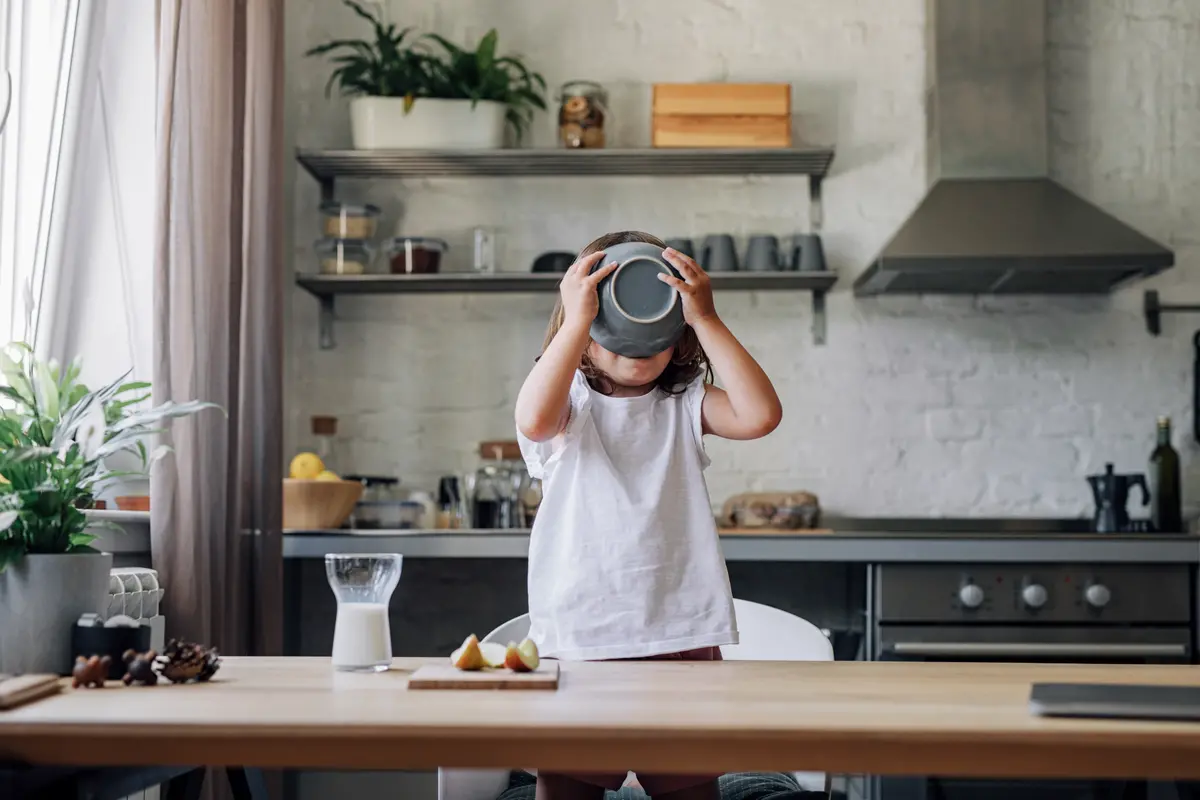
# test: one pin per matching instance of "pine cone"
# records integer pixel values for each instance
(185, 661)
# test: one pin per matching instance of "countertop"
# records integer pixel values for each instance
(861, 540)
(838, 716)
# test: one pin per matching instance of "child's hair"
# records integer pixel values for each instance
(689, 360)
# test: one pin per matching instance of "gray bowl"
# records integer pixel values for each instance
(639, 315)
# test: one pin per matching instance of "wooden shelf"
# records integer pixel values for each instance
(327, 287)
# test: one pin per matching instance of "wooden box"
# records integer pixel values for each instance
(722, 115)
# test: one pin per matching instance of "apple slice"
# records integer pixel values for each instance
(522, 657)
(493, 654)
(468, 657)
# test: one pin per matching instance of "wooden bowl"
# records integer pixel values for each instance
(318, 505)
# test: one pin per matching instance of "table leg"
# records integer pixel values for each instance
(247, 784)
(186, 786)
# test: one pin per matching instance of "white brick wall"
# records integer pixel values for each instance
(936, 406)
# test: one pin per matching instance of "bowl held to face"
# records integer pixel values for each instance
(639, 316)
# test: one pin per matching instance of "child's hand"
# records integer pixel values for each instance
(578, 289)
(695, 290)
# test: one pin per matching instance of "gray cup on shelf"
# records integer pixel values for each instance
(718, 254)
(762, 254)
(685, 246)
(808, 254)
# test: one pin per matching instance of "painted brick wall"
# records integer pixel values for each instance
(915, 406)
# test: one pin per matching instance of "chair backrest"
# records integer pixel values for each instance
(765, 634)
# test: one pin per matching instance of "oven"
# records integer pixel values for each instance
(1046, 613)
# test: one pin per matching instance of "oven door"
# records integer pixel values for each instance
(1025, 644)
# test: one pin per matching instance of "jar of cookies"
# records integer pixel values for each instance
(582, 114)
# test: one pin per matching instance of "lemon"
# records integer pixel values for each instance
(328, 475)
(307, 466)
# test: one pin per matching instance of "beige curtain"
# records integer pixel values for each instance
(218, 320)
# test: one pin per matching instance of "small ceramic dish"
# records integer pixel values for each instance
(639, 315)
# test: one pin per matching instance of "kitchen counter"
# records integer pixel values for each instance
(850, 540)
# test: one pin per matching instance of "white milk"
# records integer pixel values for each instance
(361, 637)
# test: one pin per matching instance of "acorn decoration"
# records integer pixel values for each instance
(90, 672)
(139, 668)
(181, 662)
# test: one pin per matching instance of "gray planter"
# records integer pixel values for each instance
(41, 597)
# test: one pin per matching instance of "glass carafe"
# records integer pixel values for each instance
(363, 586)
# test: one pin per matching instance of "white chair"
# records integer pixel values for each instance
(765, 634)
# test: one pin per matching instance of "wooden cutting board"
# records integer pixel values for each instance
(27, 688)
(446, 676)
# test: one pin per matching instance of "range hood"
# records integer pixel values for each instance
(993, 221)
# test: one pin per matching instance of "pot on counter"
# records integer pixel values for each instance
(553, 261)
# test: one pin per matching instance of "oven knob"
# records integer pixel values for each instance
(970, 595)
(1034, 595)
(1097, 595)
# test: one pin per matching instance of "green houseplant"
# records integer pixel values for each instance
(430, 93)
(55, 437)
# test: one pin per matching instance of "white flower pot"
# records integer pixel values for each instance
(41, 598)
(380, 123)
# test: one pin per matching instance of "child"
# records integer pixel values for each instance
(624, 560)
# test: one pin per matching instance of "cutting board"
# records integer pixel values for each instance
(27, 688)
(446, 676)
(721, 115)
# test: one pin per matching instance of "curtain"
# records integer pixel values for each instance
(218, 320)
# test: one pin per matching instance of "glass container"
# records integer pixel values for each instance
(348, 221)
(582, 114)
(363, 586)
(344, 256)
(415, 255)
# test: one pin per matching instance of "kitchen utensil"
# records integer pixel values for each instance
(344, 256)
(553, 261)
(582, 113)
(762, 254)
(808, 254)
(485, 250)
(348, 221)
(415, 255)
(721, 115)
(363, 586)
(639, 315)
(318, 505)
(447, 676)
(685, 246)
(1110, 493)
(718, 253)
(1196, 386)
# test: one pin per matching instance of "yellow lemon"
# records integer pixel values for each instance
(327, 475)
(307, 466)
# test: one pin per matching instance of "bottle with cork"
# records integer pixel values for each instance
(324, 432)
(1166, 496)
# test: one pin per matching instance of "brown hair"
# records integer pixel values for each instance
(689, 360)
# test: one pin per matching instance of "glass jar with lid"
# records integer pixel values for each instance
(344, 256)
(348, 221)
(415, 255)
(582, 115)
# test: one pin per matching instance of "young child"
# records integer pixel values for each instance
(624, 560)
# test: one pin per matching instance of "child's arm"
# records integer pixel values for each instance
(749, 408)
(543, 403)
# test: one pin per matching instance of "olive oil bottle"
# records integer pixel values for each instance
(1166, 496)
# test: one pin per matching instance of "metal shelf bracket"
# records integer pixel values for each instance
(325, 322)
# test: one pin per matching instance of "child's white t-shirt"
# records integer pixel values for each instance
(624, 559)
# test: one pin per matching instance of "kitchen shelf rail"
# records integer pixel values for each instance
(1153, 308)
(328, 166)
(326, 288)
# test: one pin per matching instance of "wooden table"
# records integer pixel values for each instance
(847, 717)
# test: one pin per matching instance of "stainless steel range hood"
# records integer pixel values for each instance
(993, 222)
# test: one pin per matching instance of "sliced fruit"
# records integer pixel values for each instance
(522, 657)
(493, 654)
(328, 475)
(306, 467)
(468, 657)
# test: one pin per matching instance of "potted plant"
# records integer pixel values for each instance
(427, 95)
(55, 434)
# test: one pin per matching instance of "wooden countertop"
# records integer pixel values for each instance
(851, 717)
